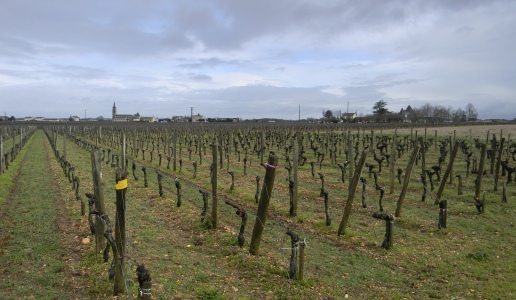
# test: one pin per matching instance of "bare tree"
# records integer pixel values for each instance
(471, 112)
(441, 113)
(426, 110)
(459, 115)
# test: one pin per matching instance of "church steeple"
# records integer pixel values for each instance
(114, 110)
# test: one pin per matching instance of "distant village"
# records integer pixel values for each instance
(425, 114)
(116, 117)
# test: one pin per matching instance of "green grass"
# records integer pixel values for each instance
(30, 257)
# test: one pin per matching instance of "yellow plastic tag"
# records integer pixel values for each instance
(122, 184)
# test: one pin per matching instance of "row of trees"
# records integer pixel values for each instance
(442, 113)
(426, 113)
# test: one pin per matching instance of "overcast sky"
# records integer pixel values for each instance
(255, 59)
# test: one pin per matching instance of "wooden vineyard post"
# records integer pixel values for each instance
(447, 173)
(406, 180)
(302, 245)
(1, 154)
(351, 193)
(265, 197)
(435, 140)
(221, 147)
(120, 240)
(478, 180)
(123, 151)
(498, 163)
(214, 201)
(351, 158)
(443, 207)
(294, 167)
(64, 144)
(391, 161)
(98, 190)
(175, 150)
(423, 166)
(262, 147)
(54, 134)
(451, 150)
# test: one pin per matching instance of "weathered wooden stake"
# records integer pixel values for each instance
(302, 245)
(257, 194)
(391, 161)
(443, 206)
(351, 158)
(123, 151)
(294, 179)
(120, 233)
(480, 174)
(504, 193)
(261, 215)
(447, 173)
(64, 144)
(498, 163)
(175, 150)
(214, 199)
(406, 180)
(98, 188)
(351, 193)
(1, 154)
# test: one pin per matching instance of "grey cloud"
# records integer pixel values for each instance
(199, 77)
(76, 72)
(212, 62)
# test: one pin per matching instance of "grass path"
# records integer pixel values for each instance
(33, 259)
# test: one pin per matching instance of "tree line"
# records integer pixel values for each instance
(425, 113)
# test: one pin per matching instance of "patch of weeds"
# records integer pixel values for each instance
(277, 271)
(210, 294)
(98, 282)
(305, 283)
(229, 240)
(207, 223)
(201, 278)
(148, 234)
(280, 294)
(478, 256)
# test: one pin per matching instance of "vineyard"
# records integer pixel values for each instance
(257, 211)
